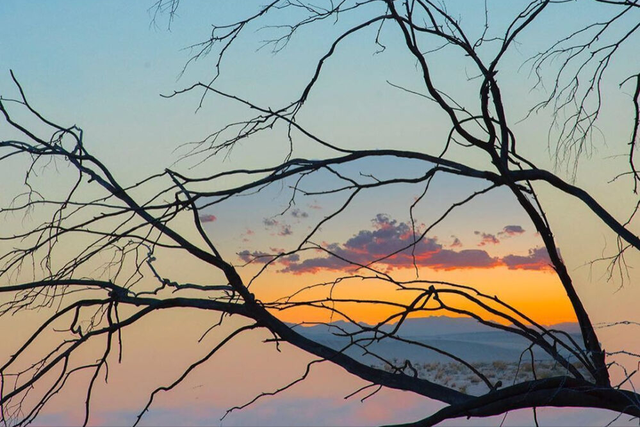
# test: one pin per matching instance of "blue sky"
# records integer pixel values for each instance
(103, 66)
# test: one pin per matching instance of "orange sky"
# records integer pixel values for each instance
(537, 294)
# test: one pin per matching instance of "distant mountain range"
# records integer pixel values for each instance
(463, 337)
(425, 326)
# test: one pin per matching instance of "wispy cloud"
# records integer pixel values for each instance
(456, 243)
(260, 257)
(270, 222)
(207, 218)
(285, 230)
(297, 213)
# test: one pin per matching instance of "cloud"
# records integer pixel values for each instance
(538, 259)
(207, 218)
(467, 258)
(291, 258)
(391, 240)
(285, 230)
(456, 243)
(270, 222)
(388, 237)
(297, 213)
(255, 256)
(487, 239)
(511, 230)
(260, 257)
(313, 265)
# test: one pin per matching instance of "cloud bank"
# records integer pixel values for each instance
(390, 242)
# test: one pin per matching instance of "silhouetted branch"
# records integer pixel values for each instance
(92, 260)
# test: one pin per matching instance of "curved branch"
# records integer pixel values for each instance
(579, 193)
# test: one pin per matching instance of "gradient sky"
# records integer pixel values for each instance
(103, 65)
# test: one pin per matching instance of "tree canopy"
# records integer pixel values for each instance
(368, 163)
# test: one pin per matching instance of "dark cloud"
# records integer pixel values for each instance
(207, 218)
(297, 213)
(292, 258)
(313, 265)
(468, 258)
(511, 230)
(270, 222)
(261, 257)
(538, 259)
(456, 243)
(285, 230)
(255, 256)
(487, 239)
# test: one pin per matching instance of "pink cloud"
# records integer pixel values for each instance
(389, 236)
(207, 218)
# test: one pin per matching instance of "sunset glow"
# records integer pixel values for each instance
(319, 213)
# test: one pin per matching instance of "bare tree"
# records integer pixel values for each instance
(94, 262)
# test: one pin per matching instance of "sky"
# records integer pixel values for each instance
(104, 66)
